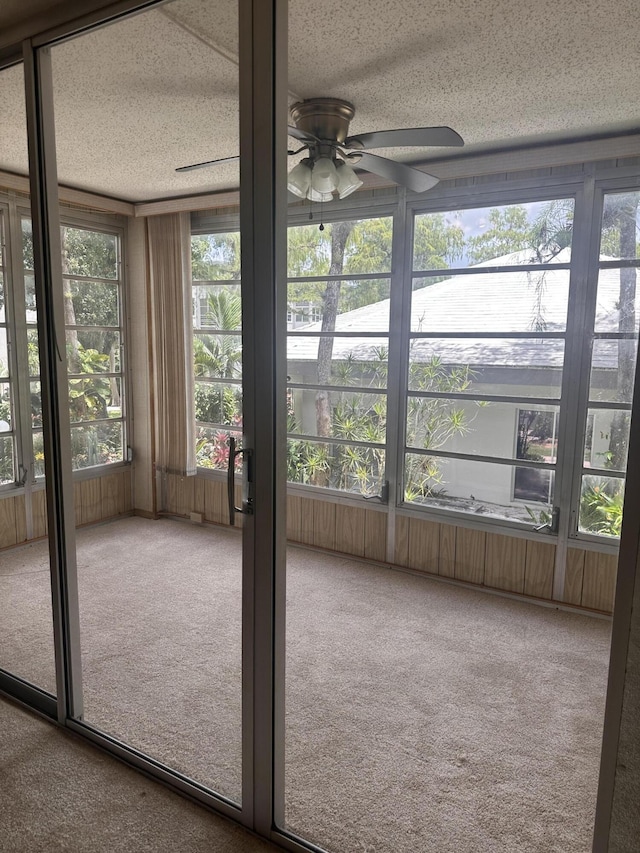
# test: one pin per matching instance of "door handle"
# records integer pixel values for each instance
(247, 505)
(551, 525)
(383, 497)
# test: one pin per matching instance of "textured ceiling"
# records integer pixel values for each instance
(158, 90)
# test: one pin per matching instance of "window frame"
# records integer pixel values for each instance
(601, 188)
(18, 208)
(571, 401)
(469, 198)
(9, 325)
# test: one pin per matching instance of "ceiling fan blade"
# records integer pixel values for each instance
(407, 137)
(399, 173)
(207, 163)
(301, 135)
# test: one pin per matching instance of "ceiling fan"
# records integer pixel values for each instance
(322, 126)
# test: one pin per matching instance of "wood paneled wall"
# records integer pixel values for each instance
(495, 560)
(97, 499)
(476, 556)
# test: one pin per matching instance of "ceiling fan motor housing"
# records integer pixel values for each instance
(326, 118)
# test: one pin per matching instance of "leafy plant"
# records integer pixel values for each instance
(601, 506)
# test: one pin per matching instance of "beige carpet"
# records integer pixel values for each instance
(61, 794)
(420, 716)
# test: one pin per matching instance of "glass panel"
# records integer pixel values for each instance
(215, 257)
(27, 248)
(35, 396)
(7, 474)
(212, 448)
(613, 365)
(336, 466)
(218, 403)
(349, 247)
(497, 366)
(93, 399)
(346, 306)
(93, 303)
(607, 439)
(2, 296)
(161, 616)
(38, 454)
(217, 306)
(354, 361)
(33, 352)
(5, 407)
(618, 301)
(30, 297)
(504, 430)
(481, 488)
(217, 356)
(96, 445)
(601, 502)
(620, 226)
(89, 253)
(528, 233)
(26, 624)
(93, 351)
(492, 302)
(4, 353)
(338, 414)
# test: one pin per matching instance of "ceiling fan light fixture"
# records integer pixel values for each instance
(314, 195)
(324, 177)
(299, 179)
(348, 181)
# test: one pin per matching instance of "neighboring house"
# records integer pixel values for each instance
(477, 306)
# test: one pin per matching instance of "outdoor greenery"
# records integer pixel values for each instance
(344, 251)
(90, 269)
(348, 248)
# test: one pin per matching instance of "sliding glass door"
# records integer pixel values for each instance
(163, 628)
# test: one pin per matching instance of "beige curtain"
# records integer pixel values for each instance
(169, 239)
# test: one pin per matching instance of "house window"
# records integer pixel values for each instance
(486, 344)
(536, 439)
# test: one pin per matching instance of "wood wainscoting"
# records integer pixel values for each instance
(96, 499)
(494, 560)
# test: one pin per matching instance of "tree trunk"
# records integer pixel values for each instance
(619, 436)
(339, 235)
(113, 383)
(73, 345)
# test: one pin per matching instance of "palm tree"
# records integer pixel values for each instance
(220, 356)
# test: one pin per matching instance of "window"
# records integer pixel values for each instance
(488, 353)
(486, 345)
(217, 345)
(613, 364)
(337, 353)
(94, 335)
(7, 431)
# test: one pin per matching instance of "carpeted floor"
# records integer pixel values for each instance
(61, 794)
(420, 716)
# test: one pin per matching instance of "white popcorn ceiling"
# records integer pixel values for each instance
(136, 99)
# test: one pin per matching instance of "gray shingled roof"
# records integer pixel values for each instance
(506, 302)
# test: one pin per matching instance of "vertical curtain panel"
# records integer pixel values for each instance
(169, 240)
